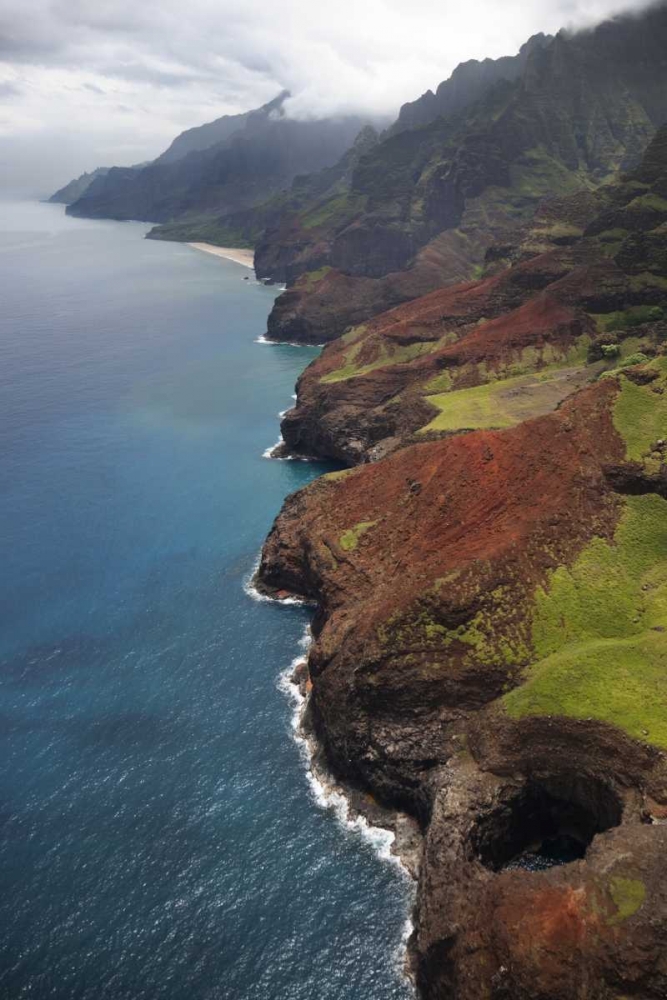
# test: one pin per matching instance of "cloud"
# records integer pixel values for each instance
(9, 90)
(128, 75)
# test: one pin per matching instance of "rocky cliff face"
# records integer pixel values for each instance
(223, 167)
(469, 82)
(77, 188)
(589, 274)
(204, 136)
(581, 108)
(490, 646)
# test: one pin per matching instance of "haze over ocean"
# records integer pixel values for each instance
(158, 839)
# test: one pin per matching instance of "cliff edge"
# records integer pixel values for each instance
(490, 649)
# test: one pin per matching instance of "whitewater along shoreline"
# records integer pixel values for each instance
(394, 835)
(240, 256)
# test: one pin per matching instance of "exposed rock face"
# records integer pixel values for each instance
(594, 928)
(582, 107)
(491, 634)
(469, 81)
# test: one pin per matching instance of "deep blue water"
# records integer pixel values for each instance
(158, 838)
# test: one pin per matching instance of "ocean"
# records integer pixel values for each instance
(159, 836)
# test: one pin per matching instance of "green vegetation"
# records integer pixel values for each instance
(539, 174)
(309, 279)
(387, 355)
(616, 235)
(350, 538)
(629, 895)
(645, 279)
(611, 240)
(480, 640)
(640, 414)
(649, 200)
(333, 477)
(203, 229)
(596, 631)
(627, 318)
(355, 333)
(499, 404)
(485, 644)
(336, 207)
(561, 231)
(544, 359)
(638, 358)
(441, 383)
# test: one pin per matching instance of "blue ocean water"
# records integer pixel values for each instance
(158, 838)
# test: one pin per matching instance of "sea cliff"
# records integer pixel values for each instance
(489, 647)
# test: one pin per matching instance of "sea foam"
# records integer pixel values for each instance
(254, 594)
(324, 793)
(327, 796)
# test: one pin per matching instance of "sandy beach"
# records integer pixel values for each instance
(245, 257)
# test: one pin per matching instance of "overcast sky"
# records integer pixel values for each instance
(85, 83)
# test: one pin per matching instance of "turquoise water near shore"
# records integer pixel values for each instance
(158, 836)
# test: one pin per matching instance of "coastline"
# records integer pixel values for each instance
(394, 836)
(240, 256)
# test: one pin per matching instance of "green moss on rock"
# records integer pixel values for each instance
(309, 279)
(385, 358)
(629, 895)
(350, 538)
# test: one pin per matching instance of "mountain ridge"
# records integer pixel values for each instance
(427, 202)
(225, 166)
(211, 133)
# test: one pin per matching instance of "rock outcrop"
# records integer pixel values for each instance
(77, 188)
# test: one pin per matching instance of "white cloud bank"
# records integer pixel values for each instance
(90, 82)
